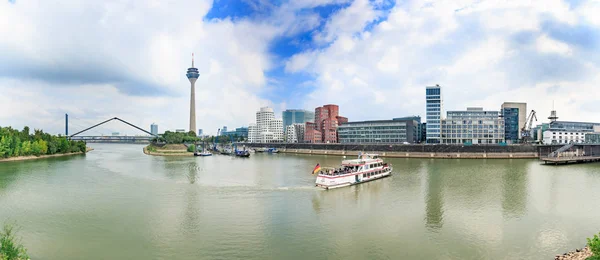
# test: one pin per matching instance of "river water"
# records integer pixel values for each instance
(117, 203)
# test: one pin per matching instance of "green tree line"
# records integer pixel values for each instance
(22, 143)
(190, 137)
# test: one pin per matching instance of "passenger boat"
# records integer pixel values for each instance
(271, 150)
(366, 167)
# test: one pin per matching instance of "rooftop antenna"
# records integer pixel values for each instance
(553, 116)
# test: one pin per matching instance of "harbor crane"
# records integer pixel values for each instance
(526, 130)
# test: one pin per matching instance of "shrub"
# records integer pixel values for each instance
(191, 148)
(10, 245)
(594, 245)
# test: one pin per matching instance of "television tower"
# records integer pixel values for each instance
(192, 75)
(553, 116)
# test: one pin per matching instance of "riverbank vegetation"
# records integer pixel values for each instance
(14, 143)
(594, 245)
(10, 246)
(169, 137)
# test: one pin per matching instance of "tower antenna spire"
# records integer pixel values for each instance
(192, 59)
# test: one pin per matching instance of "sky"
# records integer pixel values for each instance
(95, 60)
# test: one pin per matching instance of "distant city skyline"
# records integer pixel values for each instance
(372, 58)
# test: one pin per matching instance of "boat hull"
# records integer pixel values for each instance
(328, 182)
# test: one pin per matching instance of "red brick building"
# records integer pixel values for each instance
(311, 135)
(327, 120)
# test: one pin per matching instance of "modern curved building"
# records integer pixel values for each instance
(192, 75)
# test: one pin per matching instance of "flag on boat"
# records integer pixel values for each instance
(317, 169)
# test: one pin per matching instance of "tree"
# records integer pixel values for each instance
(4, 147)
(26, 148)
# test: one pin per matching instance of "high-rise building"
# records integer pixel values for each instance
(252, 133)
(192, 75)
(435, 105)
(296, 116)
(295, 133)
(200, 132)
(515, 115)
(311, 134)
(154, 129)
(327, 120)
(224, 129)
(473, 126)
(267, 128)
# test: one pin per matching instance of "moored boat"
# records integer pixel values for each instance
(205, 153)
(366, 168)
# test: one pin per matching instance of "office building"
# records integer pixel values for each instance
(564, 132)
(473, 126)
(267, 129)
(179, 130)
(242, 132)
(565, 136)
(200, 132)
(379, 131)
(592, 138)
(296, 116)
(434, 107)
(327, 120)
(154, 129)
(311, 134)
(224, 129)
(192, 75)
(515, 117)
(295, 133)
(420, 131)
(252, 133)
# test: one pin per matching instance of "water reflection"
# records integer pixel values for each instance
(192, 174)
(434, 212)
(514, 188)
(191, 218)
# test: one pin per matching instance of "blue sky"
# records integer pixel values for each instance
(97, 60)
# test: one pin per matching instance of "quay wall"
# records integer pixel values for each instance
(410, 151)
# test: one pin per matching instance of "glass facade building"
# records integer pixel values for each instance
(515, 117)
(434, 106)
(378, 131)
(154, 129)
(511, 124)
(592, 138)
(473, 126)
(419, 133)
(296, 116)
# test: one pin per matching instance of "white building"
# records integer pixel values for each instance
(276, 127)
(473, 126)
(253, 133)
(563, 136)
(267, 129)
(295, 132)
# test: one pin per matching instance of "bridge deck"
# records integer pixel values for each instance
(571, 159)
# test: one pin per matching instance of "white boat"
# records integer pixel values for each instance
(366, 168)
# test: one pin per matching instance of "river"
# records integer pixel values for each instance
(117, 203)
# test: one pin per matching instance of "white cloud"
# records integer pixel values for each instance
(149, 43)
(471, 48)
(549, 45)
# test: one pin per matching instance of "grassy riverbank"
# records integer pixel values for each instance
(33, 157)
(167, 150)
